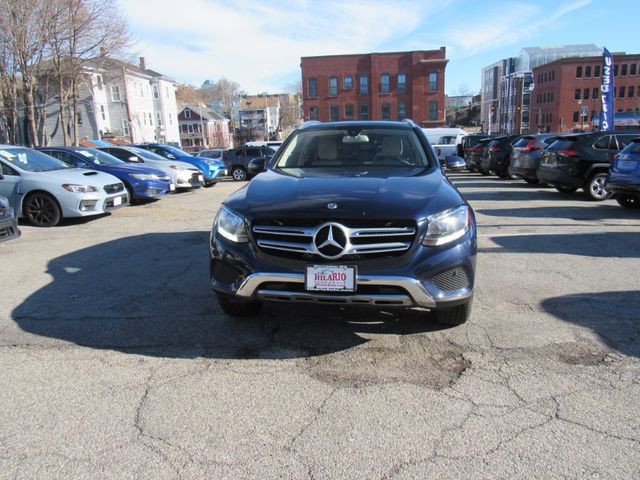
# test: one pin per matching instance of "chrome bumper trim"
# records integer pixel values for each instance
(418, 295)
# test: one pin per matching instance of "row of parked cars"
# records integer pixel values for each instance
(46, 184)
(602, 164)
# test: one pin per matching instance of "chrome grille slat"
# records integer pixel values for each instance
(303, 239)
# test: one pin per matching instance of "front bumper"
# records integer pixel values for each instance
(150, 189)
(415, 279)
(9, 229)
(623, 187)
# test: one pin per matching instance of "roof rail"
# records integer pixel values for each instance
(410, 122)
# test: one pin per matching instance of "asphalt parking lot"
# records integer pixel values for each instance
(118, 363)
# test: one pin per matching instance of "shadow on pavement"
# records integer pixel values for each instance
(611, 315)
(591, 211)
(149, 295)
(599, 245)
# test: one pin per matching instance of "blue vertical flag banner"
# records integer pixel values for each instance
(606, 90)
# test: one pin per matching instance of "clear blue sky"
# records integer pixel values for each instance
(259, 44)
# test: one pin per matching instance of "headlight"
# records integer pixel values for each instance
(447, 226)
(231, 226)
(72, 187)
(144, 176)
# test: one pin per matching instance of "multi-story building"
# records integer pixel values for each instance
(259, 116)
(203, 128)
(376, 86)
(507, 84)
(567, 95)
(118, 100)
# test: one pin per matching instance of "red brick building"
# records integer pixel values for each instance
(376, 86)
(566, 88)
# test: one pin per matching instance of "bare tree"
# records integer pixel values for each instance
(188, 95)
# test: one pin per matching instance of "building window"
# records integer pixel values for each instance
(99, 82)
(579, 72)
(348, 111)
(384, 83)
(433, 81)
(596, 71)
(553, 74)
(587, 71)
(333, 86)
(630, 93)
(402, 111)
(103, 113)
(158, 119)
(585, 94)
(156, 92)
(190, 128)
(402, 83)
(79, 117)
(576, 116)
(549, 117)
(364, 85)
(125, 127)
(150, 119)
(385, 111)
(633, 69)
(433, 110)
(624, 70)
(187, 113)
(615, 69)
(115, 93)
(364, 112)
(347, 82)
(595, 93)
(621, 92)
(144, 118)
(576, 95)
(334, 113)
(313, 113)
(312, 84)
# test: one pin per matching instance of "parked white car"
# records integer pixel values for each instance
(444, 140)
(45, 190)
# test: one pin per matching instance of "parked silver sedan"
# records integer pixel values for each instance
(45, 190)
(183, 174)
(8, 223)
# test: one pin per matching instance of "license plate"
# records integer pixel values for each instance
(200, 178)
(330, 278)
(627, 164)
(172, 187)
(117, 201)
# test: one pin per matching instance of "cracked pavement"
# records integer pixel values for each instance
(118, 362)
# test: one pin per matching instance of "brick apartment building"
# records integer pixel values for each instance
(376, 86)
(566, 88)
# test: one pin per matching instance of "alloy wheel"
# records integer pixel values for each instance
(42, 210)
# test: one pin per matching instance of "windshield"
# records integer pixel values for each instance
(354, 149)
(141, 152)
(98, 157)
(31, 160)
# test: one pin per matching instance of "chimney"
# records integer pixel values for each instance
(143, 65)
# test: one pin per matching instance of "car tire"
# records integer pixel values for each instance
(237, 309)
(42, 210)
(239, 174)
(566, 189)
(209, 184)
(452, 316)
(628, 201)
(532, 181)
(132, 200)
(595, 189)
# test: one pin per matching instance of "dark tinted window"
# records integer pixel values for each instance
(7, 170)
(252, 152)
(522, 142)
(604, 143)
(563, 144)
(624, 140)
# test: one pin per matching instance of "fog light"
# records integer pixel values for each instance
(88, 205)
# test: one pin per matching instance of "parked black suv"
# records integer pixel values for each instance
(497, 155)
(348, 213)
(527, 151)
(238, 160)
(473, 155)
(582, 160)
(468, 142)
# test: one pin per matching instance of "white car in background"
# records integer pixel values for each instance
(45, 190)
(444, 140)
(182, 174)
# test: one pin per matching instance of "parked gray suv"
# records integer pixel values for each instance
(238, 160)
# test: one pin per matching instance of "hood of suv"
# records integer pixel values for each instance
(272, 195)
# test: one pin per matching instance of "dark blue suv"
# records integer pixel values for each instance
(348, 213)
(624, 176)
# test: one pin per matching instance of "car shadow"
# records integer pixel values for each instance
(613, 316)
(591, 211)
(149, 295)
(598, 245)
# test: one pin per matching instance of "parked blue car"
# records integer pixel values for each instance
(212, 169)
(142, 183)
(624, 176)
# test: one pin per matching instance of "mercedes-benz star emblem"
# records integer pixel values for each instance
(330, 240)
(332, 206)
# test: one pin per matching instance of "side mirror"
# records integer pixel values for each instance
(171, 156)
(257, 165)
(134, 159)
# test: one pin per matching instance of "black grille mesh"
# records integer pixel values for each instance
(455, 279)
(114, 188)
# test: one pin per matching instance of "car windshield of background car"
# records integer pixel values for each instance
(357, 151)
(141, 152)
(31, 160)
(101, 158)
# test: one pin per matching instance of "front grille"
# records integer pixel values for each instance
(454, 279)
(312, 239)
(7, 232)
(194, 179)
(114, 188)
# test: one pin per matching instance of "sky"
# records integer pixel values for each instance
(259, 43)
